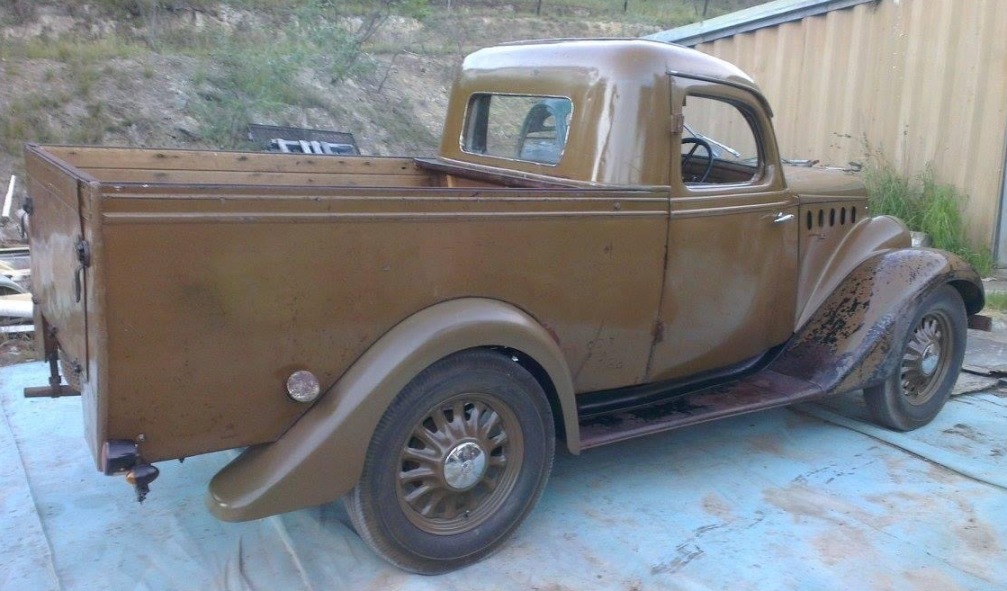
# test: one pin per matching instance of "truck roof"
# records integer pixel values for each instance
(608, 58)
(618, 89)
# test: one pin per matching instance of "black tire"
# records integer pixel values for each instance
(455, 464)
(930, 358)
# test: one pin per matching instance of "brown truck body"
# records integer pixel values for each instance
(183, 288)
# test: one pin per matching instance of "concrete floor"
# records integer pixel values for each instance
(810, 497)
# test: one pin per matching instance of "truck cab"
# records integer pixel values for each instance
(691, 128)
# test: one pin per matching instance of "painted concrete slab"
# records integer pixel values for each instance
(986, 353)
(810, 497)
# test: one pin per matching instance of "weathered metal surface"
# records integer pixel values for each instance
(55, 229)
(837, 236)
(769, 14)
(766, 389)
(847, 343)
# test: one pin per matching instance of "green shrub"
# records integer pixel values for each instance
(925, 205)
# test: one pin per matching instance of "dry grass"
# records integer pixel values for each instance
(996, 300)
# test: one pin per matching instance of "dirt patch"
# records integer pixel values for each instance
(17, 350)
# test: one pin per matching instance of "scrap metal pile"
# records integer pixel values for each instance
(15, 273)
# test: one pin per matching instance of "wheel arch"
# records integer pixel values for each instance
(549, 387)
(300, 469)
(972, 294)
(849, 340)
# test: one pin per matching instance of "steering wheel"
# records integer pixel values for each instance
(699, 142)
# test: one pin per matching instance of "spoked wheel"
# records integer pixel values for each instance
(930, 360)
(456, 463)
(459, 464)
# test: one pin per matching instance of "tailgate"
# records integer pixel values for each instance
(60, 258)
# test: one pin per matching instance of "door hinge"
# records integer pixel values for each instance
(83, 249)
(83, 252)
(677, 124)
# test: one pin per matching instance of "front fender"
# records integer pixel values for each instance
(867, 237)
(849, 341)
(321, 456)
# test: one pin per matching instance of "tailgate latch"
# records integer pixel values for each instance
(83, 249)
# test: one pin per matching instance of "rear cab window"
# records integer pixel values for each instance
(517, 127)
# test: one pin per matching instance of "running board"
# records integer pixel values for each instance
(766, 389)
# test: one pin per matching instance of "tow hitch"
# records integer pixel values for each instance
(120, 456)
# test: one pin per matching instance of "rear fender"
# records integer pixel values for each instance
(322, 455)
(850, 340)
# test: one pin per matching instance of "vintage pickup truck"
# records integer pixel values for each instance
(606, 246)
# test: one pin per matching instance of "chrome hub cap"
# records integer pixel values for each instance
(464, 466)
(923, 361)
(928, 363)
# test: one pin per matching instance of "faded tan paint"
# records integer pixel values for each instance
(614, 133)
(204, 302)
(274, 478)
(921, 81)
(728, 258)
(216, 275)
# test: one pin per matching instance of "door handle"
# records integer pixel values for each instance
(781, 217)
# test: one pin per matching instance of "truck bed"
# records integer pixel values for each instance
(195, 167)
(215, 275)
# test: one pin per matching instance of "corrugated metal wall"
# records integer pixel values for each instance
(924, 82)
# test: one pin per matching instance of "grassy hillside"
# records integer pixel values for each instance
(195, 73)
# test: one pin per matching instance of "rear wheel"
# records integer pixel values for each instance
(458, 460)
(930, 358)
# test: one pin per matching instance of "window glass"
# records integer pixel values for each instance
(518, 127)
(718, 143)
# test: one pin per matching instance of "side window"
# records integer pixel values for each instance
(517, 127)
(719, 145)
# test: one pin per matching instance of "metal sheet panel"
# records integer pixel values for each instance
(750, 19)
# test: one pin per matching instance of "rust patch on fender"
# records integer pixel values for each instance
(849, 341)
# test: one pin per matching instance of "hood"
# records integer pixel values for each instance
(811, 182)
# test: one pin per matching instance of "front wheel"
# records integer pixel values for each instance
(930, 358)
(456, 463)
